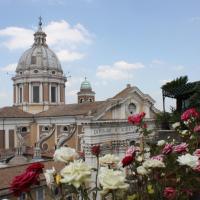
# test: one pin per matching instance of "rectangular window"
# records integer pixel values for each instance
(53, 94)
(36, 94)
(20, 95)
(33, 60)
(40, 194)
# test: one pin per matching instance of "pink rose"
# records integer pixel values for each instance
(158, 157)
(169, 193)
(197, 153)
(132, 150)
(197, 128)
(190, 113)
(167, 149)
(180, 148)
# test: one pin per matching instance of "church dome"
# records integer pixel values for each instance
(85, 85)
(39, 56)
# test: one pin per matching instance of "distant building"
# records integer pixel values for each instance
(40, 120)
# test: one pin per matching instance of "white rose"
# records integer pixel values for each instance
(185, 132)
(161, 143)
(153, 163)
(65, 154)
(189, 160)
(109, 159)
(76, 173)
(49, 176)
(112, 179)
(139, 158)
(176, 125)
(142, 171)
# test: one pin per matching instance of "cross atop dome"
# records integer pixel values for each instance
(40, 36)
(40, 24)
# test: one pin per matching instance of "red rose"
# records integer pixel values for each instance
(96, 150)
(167, 149)
(35, 167)
(23, 182)
(190, 113)
(181, 148)
(169, 193)
(127, 160)
(136, 119)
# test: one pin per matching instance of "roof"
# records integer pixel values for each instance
(88, 108)
(13, 112)
(123, 94)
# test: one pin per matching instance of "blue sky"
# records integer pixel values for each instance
(112, 42)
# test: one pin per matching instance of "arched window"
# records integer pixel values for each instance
(132, 108)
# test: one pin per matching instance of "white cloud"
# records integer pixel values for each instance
(164, 81)
(120, 70)
(61, 36)
(9, 68)
(16, 37)
(67, 56)
(158, 62)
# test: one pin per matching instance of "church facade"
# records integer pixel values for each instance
(40, 118)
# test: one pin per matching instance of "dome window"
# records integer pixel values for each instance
(53, 72)
(20, 73)
(36, 71)
(33, 60)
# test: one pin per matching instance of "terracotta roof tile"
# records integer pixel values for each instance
(89, 108)
(13, 112)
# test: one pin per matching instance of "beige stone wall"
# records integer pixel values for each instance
(46, 92)
(62, 93)
(50, 141)
(14, 93)
(2, 139)
(26, 92)
(33, 134)
(11, 139)
(108, 115)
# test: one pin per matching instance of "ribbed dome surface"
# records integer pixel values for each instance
(38, 57)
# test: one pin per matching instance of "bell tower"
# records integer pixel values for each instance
(86, 94)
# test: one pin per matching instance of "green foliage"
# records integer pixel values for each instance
(175, 83)
(163, 119)
(194, 100)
